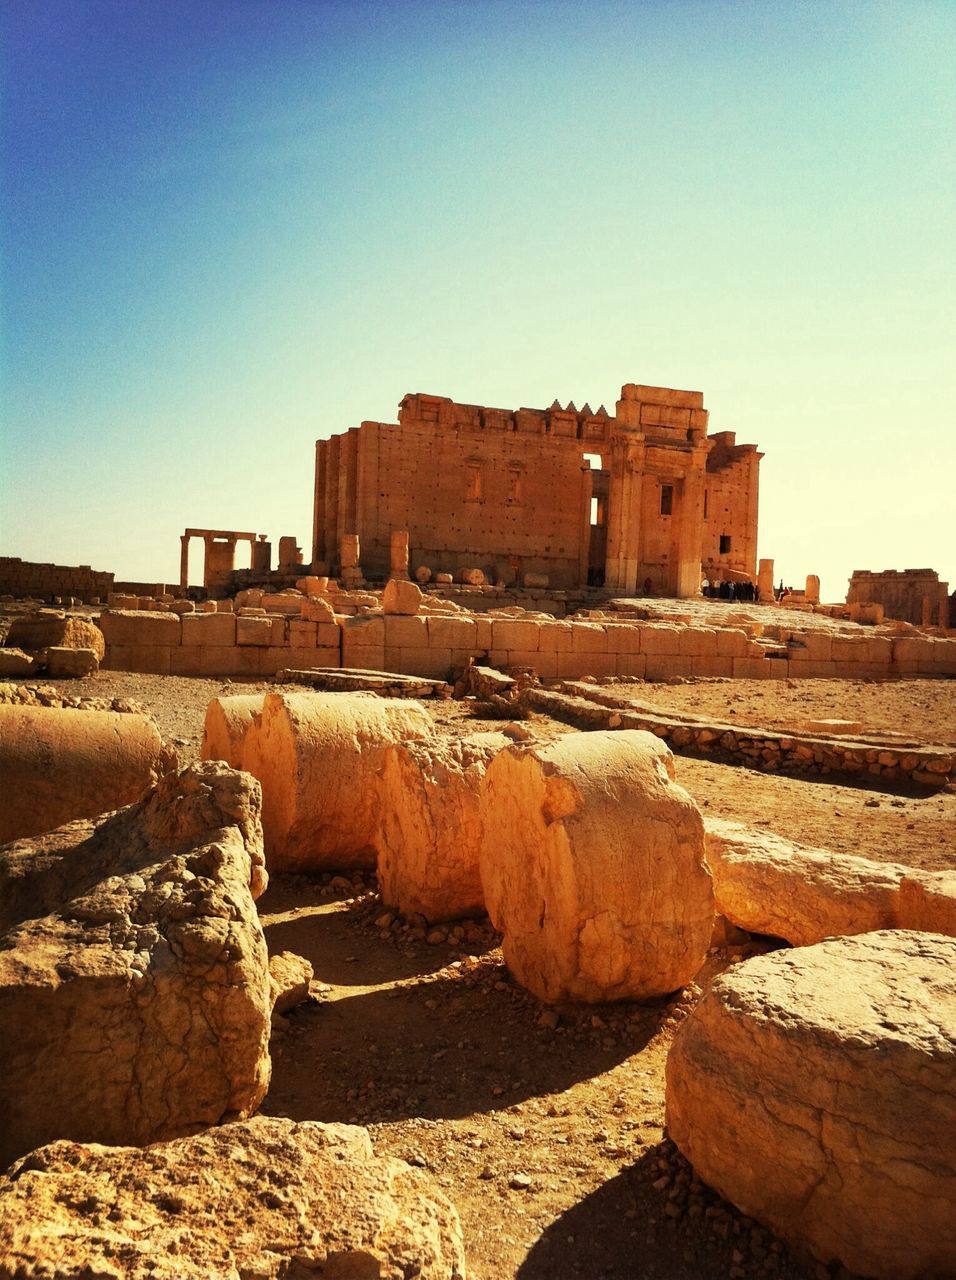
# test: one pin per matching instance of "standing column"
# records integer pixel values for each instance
(691, 533)
(184, 562)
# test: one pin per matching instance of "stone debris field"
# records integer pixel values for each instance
(379, 934)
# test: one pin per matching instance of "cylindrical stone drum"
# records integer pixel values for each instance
(58, 764)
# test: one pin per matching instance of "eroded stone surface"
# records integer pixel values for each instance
(224, 730)
(319, 758)
(816, 1089)
(592, 862)
(266, 1197)
(767, 884)
(60, 764)
(48, 627)
(431, 824)
(289, 978)
(134, 983)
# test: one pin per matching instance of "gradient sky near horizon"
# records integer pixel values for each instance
(229, 229)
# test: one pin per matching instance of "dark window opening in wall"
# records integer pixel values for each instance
(667, 499)
(598, 511)
(594, 461)
(724, 543)
(706, 496)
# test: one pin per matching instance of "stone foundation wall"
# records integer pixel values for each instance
(433, 645)
(909, 595)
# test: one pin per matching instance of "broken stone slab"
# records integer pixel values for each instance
(134, 980)
(766, 884)
(266, 1197)
(592, 862)
(224, 730)
(431, 826)
(59, 764)
(816, 1090)
(319, 758)
(289, 978)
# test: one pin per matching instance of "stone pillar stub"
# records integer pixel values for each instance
(349, 551)
(813, 589)
(398, 554)
(765, 581)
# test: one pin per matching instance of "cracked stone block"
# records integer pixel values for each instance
(134, 981)
(592, 861)
(766, 884)
(319, 759)
(266, 1197)
(47, 627)
(431, 825)
(59, 764)
(815, 1089)
(224, 731)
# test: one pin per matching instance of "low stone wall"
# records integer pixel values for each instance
(588, 707)
(256, 642)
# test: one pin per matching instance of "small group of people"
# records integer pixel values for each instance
(725, 590)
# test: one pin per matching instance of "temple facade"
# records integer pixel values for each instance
(644, 500)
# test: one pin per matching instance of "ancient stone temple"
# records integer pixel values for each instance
(641, 500)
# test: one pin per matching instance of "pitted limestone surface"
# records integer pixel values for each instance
(266, 1197)
(816, 1090)
(593, 867)
(134, 985)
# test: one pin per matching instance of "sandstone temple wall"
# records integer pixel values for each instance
(908, 595)
(641, 497)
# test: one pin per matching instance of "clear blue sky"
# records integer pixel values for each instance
(231, 228)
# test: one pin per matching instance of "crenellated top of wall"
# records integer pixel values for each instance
(567, 422)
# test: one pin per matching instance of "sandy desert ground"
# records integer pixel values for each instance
(546, 1127)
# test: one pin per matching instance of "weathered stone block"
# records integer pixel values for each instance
(592, 861)
(660, 640)
(697, 642)
(452, 632)
(509, 633)
(431, 824)
(405, 632)
(302, 633)
(74, 663)
(216, 629)
(319, 759)
(134, 985)
(401, 596)
(151, 659)
(731, 644)
(588, 638)
(816, 1088)
(631, 664)
(137, 627)
(622, 638)
(752, 668)
(256, 631)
